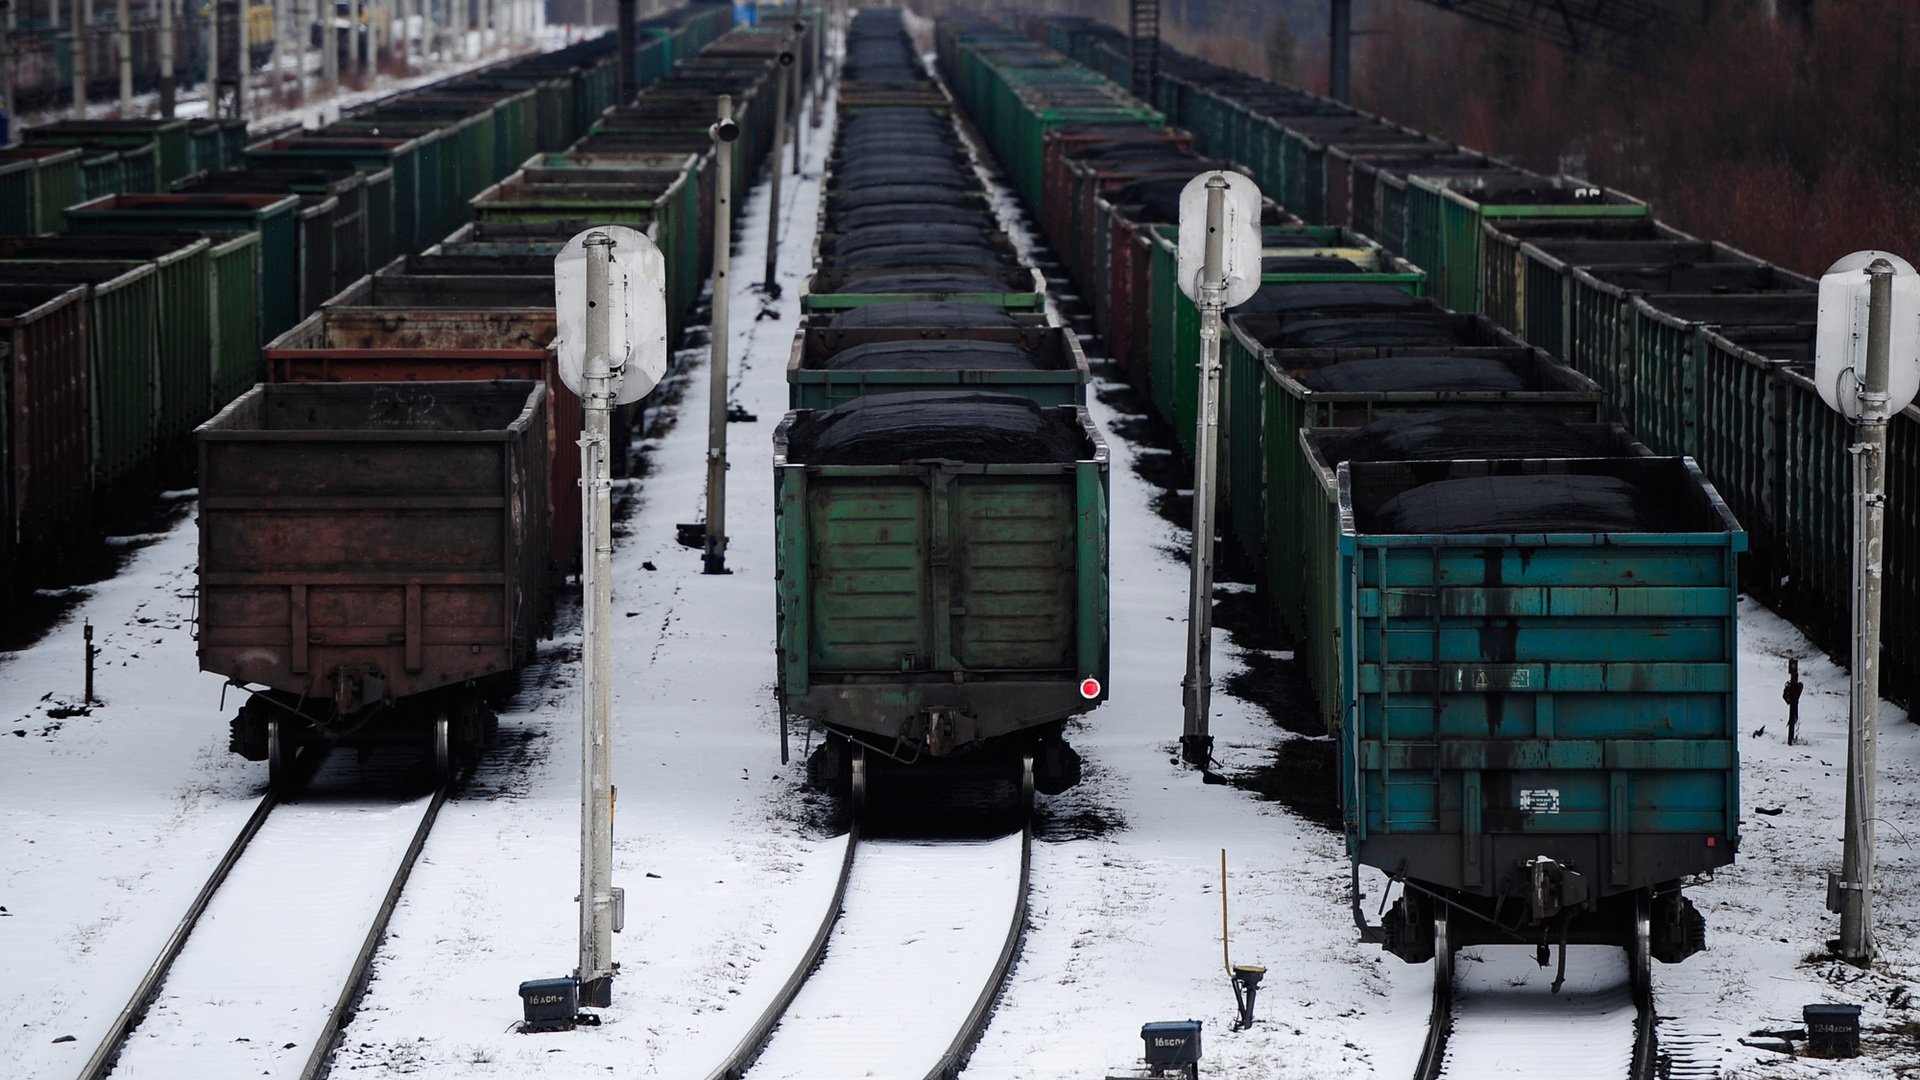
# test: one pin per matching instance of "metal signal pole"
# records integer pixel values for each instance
(595, 971)
(1340, 50)
(1196, 744)
(725, 131)
(1869, 530)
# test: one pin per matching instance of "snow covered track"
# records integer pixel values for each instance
(1493, 1016)
(904, 983)
(264, 968)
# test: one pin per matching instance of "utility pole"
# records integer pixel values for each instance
(785, 77)
(329, 49)
(168, 91)
(627, 84)
(80, 13)
(1340, 50)
(123, 43)
(725, 131)
(6, 73)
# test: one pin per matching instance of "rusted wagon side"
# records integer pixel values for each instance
(372, 558)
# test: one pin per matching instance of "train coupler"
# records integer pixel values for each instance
(1553, 888)
(948, 730)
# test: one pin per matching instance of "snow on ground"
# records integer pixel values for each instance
(110, 817)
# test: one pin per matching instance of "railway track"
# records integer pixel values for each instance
(902, 974)
(1499, 1021)
(263, 969)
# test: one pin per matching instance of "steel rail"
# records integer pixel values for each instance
(750, 1045)
(135, 1010)
(101, 1063)
(955, 1058)
(356, 982)
(1433, 1053)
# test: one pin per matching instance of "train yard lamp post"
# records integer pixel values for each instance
(725, 130)
(1218, 268)
(1867, 365)
(609, 287)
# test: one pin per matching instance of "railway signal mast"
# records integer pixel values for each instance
(1218, 268)
(609, 286)
(1867, 365)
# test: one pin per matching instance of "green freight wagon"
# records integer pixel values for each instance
(939, 606)
(1054, 373)
(1174, 344)
(172, 153)
(1525, 290)
(1540, 719)
(272, 216)
(1288, 405)
(45, 441)
(123, 360)
(393, 223)
(183, 304)
(36, 184)
(1445, 216)
(1319, 453)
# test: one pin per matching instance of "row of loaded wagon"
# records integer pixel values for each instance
(1702, 349)
(941, 493)
(1494, 588)
(442, 364)
(158, 296)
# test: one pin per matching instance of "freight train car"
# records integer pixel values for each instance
(941, 494)
(1521, 627)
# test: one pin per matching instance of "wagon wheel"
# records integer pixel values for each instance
(445, 764)
(857, 793)
(279, 758)
(1024, 809)
(1640, 947)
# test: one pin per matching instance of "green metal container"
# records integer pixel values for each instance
(183, 305)
(1318, 530)
(663, 203)
(1288, 405)
(1610, 341)
(234, 260)
(172, 153)
(912, 592)
(1017, 290)
(272, 216)
(1525, 290)
(36, 184)
(123, 361)
(1446, 215)
(1175, 345)
(400, 210)
(1570, 696)
(1059, 375)
(102, 173)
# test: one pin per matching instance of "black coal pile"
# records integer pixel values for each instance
(922, 283)
(1463, 434)
(895, 429)
(1523, 504)
(932, 356)
(906, 313)
(1386, 374)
